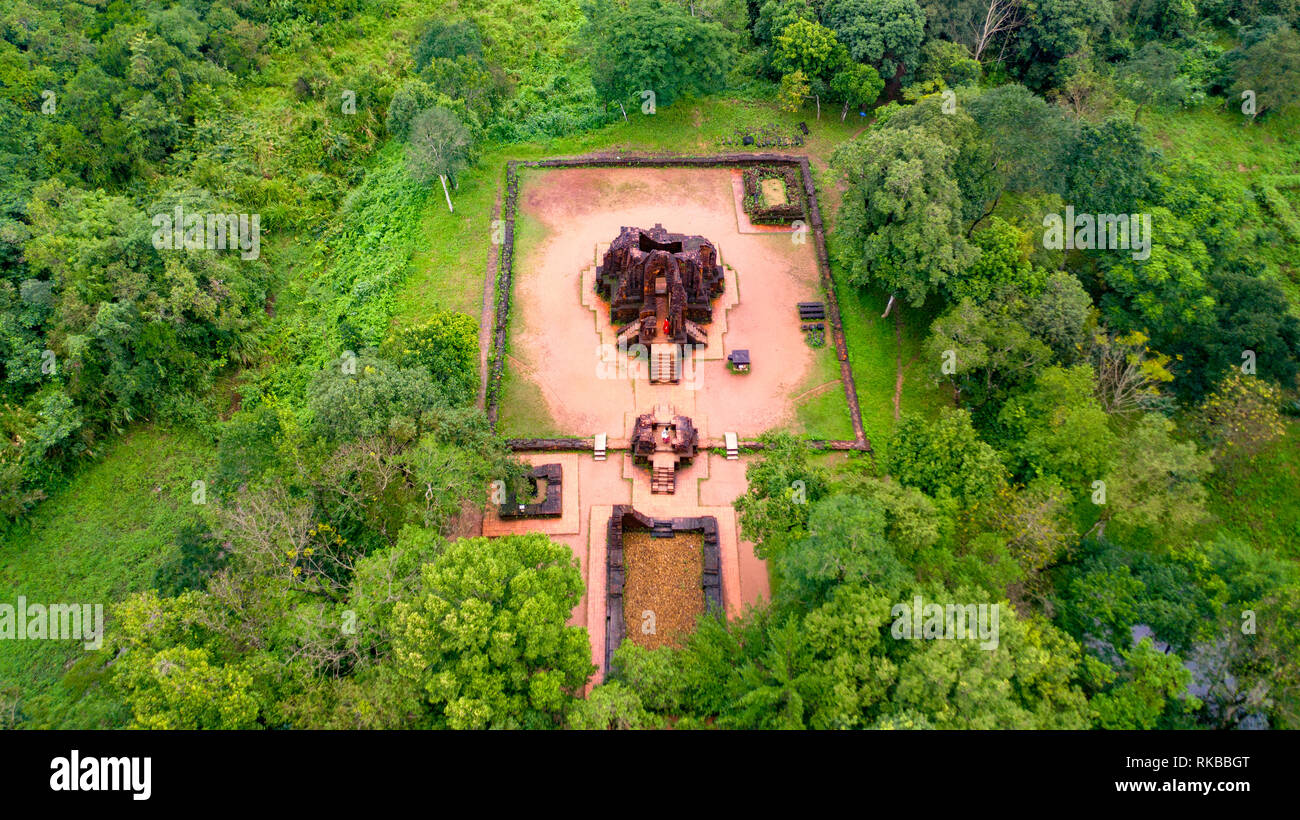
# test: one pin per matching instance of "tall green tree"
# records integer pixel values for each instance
(985, 351)
(1054, 30)
(1167, 293)
(901, 218)
(944, 457)
(650, 45)
(1057, 428)
(1154, 489)
(1270, 69)
(1003, 261)
(1154, 683)
(857, 85)
(845, 543)
(781, 488)
(1099, 184)
(809, 49)
(973, 164)
(485, 635)
(805, 46)
(887, 34)
(1029, 138)
(439, 146)
(1153, 77)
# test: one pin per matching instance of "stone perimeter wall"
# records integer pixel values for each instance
(505, 272)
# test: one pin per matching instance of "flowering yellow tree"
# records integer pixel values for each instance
(1240, 417)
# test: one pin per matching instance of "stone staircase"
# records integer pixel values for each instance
(663, 479)
(663, 364)
(696, 334)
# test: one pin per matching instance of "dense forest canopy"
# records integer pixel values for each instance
(1109, 447)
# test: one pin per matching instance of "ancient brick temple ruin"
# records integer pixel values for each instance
(660, 285)
(664, 440)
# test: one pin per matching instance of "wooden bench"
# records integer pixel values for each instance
(812, 310)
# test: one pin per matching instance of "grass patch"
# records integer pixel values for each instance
(873, 355)
(1241, 149)
(451, 257)
(522, 411)
(773, 192)
(824, 414)
(95, 542)
(1257, 500)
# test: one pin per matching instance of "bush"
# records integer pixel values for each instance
(446, 348)
(368, 396)
(200, 556)
(950, 62)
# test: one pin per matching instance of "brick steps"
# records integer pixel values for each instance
(663, 480)
(663, 364)
(732, 442)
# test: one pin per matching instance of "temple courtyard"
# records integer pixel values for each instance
(669, 442)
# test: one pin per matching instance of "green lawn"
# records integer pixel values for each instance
(825, 414)
(451, 256)
(873, 355)
(1259, 500)
(1228, 141)
(94, 542)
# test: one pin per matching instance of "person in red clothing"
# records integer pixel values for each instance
(666, 326)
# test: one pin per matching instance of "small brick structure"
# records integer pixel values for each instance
(625, 518)
(755, 204)
(552, 503)
(665, 441)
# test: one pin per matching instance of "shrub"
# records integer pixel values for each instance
(445, 347)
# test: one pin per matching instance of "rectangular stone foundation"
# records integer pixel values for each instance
(624, 517)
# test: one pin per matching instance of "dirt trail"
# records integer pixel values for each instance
(900, 368)
(818, 389)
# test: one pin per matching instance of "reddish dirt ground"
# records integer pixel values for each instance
(559, 322)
